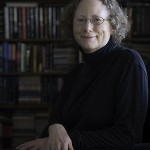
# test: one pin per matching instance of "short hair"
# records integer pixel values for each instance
(118, 19)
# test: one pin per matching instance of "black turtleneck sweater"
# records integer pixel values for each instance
(103, 102)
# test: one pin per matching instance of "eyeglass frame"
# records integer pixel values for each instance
(90, 19)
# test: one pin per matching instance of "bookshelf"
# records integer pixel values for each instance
(34, 58)
(138, 38)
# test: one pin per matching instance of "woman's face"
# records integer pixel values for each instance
(91, 36)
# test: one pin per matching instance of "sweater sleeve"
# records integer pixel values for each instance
(131, 105)
(56, 113)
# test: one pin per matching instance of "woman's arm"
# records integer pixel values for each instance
(131, 106)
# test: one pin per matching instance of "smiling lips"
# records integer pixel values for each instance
(88, 37)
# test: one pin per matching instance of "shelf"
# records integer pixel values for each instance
(36, 40)
(133, 1)
(141, 40)
(38, 1)
(24, 106)
(138, 4)
(49, 73)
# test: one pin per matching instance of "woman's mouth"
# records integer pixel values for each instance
(87, 37)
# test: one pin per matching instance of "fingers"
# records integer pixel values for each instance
(25, 146)
(38, 144)
(65, 147)
(34, 148)
(70, 147)
(60, 147)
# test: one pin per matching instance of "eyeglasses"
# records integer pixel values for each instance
(81, 20)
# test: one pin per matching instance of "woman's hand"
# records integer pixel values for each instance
(38, 144)
(59, 139)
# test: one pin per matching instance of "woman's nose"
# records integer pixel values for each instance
(88, 26)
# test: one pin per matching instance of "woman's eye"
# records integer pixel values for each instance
(81, 20)
(97, 20)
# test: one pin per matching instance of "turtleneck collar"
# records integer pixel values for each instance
(99, 55)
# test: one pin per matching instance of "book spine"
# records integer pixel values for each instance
(6, 20)
(24, 23)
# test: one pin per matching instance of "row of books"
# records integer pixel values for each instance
(30, 21)
(28, 125)
(139, 19)
(23, 126)
(31, 57)
(29, 89)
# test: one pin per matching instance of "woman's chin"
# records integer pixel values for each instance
(88, 49)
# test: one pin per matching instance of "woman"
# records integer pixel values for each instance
(103, 102)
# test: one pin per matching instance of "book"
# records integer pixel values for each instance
(41, 22)
(6, 22)
(64, 58)
(29, 89)
(1, 58)
(1, 23)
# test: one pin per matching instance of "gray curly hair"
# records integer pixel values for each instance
(118, 19)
